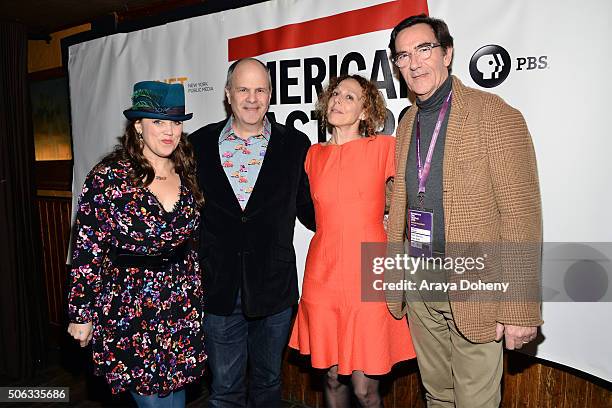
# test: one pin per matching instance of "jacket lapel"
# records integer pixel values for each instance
(399, 198)
(457, 117)
(403, 152)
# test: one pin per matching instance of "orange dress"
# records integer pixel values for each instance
(333, 324)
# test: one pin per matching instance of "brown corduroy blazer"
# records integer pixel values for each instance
(491, 198)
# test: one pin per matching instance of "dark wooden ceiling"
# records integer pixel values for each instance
(45, 17)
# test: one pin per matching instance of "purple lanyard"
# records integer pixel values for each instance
(423, 171)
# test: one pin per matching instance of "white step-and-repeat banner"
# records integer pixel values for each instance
(547, 58)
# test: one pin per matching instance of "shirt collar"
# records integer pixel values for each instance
(228, 130)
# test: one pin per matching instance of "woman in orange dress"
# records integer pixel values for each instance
(344, 334)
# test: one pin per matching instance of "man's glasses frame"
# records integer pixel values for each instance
(421, 51)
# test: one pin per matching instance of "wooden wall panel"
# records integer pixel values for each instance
(54, 215)
(527, 382)
(531, 382)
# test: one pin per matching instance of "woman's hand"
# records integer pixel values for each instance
(81, 332)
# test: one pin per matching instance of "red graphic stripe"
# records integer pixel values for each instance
(347, 24)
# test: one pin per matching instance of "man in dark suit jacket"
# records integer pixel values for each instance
(251, 172)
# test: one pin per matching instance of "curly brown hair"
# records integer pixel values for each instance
(373, 105)
(142, 173)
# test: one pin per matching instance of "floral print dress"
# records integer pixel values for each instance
(147, 321)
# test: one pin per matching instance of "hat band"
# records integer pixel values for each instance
(174, 111)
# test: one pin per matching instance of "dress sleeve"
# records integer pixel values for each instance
(390, 162)
(92, 230)
(307, 160)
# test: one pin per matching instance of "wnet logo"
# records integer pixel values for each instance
(490, 66)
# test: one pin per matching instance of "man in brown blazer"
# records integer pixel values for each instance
(471, 192)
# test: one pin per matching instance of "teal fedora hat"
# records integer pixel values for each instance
(158, 100)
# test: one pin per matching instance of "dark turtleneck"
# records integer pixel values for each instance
(429, 110)
(432, 105)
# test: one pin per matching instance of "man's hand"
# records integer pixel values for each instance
(515, 336)
(81, 332)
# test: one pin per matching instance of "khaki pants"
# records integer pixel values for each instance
(455, 372)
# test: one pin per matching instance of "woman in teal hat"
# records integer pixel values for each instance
(135, 290)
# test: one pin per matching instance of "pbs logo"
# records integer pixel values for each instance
(490, 65)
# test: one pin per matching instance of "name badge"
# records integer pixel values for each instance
(421, 233)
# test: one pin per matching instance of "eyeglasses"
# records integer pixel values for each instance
(422, 52)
